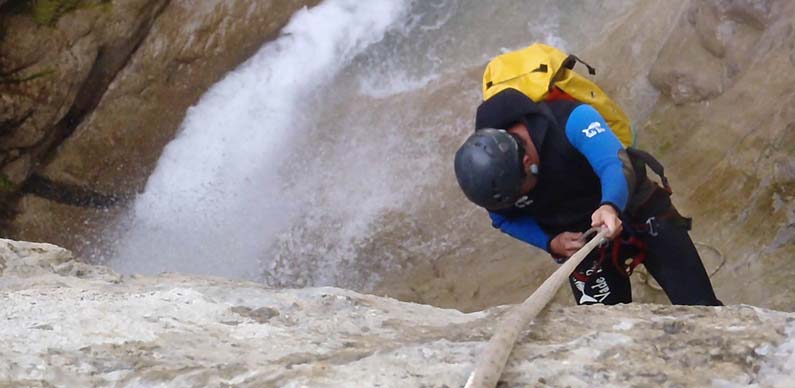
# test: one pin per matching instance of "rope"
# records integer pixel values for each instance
(717, 252)
(492, 360)
(648, 280)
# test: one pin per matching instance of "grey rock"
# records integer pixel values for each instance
(174, 330)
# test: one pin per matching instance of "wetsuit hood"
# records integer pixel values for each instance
(511, 106)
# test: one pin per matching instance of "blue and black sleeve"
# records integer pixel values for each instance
(588, 132)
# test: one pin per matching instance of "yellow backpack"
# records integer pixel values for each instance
(538, 69)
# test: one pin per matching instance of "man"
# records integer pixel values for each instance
(548, 171)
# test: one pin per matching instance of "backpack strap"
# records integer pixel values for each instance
(653, 163)
(572, 60)
(569, 63)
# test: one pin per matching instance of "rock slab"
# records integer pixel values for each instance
(71, 324)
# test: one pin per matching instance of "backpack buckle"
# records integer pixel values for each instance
(651, 223)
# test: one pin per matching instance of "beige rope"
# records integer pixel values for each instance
(721, 258)
(492, 361)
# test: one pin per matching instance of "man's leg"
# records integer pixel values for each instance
(605, 285)
(673, 261)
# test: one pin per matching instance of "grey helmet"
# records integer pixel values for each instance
(489, 168)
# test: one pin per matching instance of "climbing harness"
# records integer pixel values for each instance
(628, 251)
(632, 247)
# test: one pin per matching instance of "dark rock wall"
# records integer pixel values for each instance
(90, 99)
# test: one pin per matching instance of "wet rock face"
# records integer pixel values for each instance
(184, 331)
(710, 48)
(52, 75)
(91, 100)
(728, 156)
(190, 46)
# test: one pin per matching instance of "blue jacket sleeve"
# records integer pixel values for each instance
(524, 228)
(588, 132)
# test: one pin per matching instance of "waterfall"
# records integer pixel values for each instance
(325, 159)
(215, 199)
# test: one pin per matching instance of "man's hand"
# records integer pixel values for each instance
(566, 244)
(607, 216)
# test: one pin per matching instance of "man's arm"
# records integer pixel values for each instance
(588, 132)
(524, 228)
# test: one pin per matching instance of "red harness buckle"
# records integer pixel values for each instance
(636, 249)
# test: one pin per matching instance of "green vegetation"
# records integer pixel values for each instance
(47, 12)
(12, 79)
(5, 183)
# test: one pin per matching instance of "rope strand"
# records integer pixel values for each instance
(492, 360)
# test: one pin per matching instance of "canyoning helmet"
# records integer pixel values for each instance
(489, 168)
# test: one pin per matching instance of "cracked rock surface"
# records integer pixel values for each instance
(72, 324)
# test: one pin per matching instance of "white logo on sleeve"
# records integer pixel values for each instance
(593, 129)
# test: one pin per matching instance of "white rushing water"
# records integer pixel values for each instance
(311, 164)
(215, 199)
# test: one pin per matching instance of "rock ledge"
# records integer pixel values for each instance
(72, 324)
